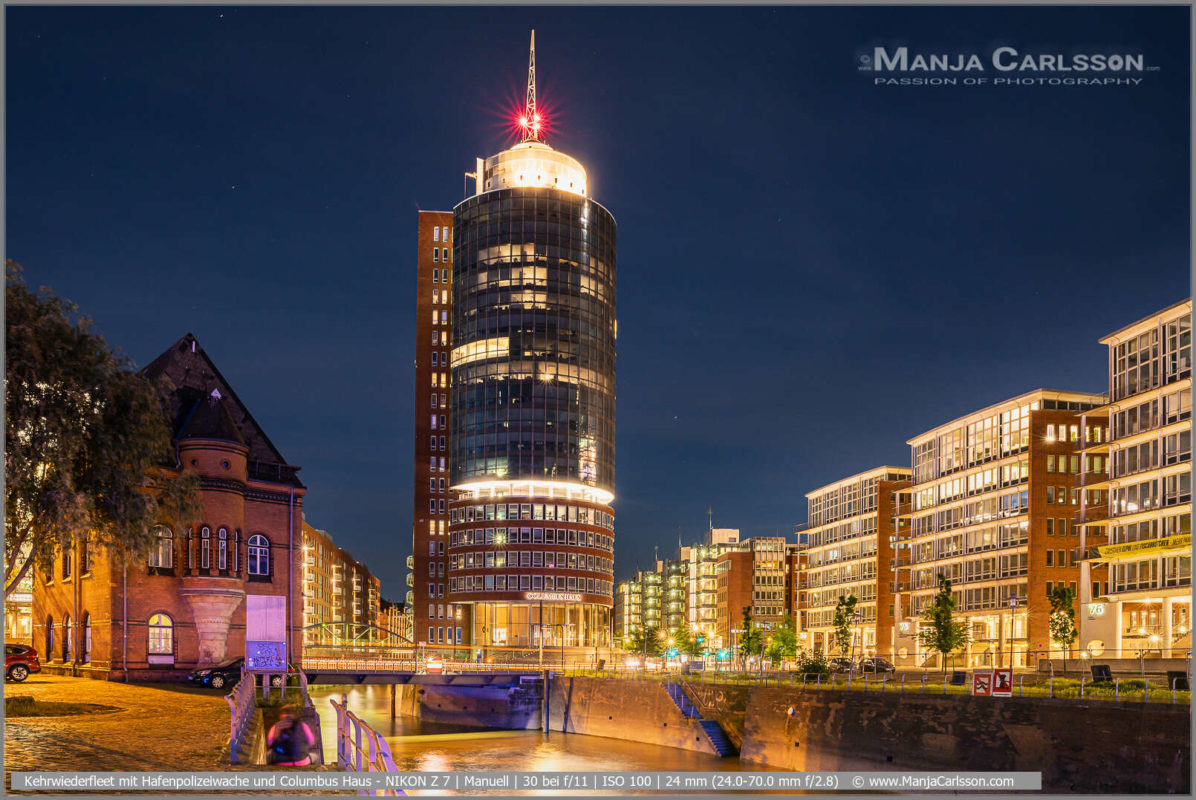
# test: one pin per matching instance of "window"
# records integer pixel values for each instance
(436, 233)
(160, 644)
(84, 561)
(85, 655)
(1050, 463)
(66, 563)
(222, 555)
(205, 548)
(162, 553)
(1050, 558)
(67, 638)
(259, 555)
(49, 637)
(446, 233)
(436, 254)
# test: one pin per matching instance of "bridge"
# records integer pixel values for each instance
(348, 671)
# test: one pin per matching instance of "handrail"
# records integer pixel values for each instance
(351, 756)
(240, 705)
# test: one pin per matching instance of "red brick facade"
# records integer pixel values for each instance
(186, 600)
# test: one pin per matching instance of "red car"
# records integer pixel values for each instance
(19, 661)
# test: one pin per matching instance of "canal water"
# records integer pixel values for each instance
(475, 749)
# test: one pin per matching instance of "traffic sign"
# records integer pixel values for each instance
(1002, 682)
(982, 683)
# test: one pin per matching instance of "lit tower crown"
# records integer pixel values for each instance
(531, 162)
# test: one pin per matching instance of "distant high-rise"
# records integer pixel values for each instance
(533, 399)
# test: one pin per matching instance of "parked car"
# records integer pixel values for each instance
(219, 676)
(19, 661)
(840, 664)
(876, 665)
(227, 674)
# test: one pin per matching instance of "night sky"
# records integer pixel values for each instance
(812, 269)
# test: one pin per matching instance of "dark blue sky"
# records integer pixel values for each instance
(812, 269)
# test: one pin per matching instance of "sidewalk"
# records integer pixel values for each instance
(158, 727)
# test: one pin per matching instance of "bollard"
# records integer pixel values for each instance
(1051, 687)
(1146, 690)
(1173, 684)
(944, 683)
(865, 684)
(818, 681)
(1021, 679)
(1081, 687)
(923, 683)
(1117, 690)
(903, 683)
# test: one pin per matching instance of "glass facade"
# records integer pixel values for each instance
(533, 367)
(532, 444)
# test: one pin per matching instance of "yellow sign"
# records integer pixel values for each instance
(1116, 552)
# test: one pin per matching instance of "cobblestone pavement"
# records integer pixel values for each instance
(159, 727)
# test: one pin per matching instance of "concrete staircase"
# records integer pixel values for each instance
(713, 732)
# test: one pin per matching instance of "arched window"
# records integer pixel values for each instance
(85, 654)
(49, 637)
(190, 549)
(160, 646)
(67, 638)
(222, 553)
(259, 555)
(66, 562)
(205, 548)
(162, 552)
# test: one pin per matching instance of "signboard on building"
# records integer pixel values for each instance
(265, 632)
(1095, 610)
(1115, 552)
(982, 683)
(553, 597)
(1002, 685)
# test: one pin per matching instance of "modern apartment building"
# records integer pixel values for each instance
(752, 577)
(1145, 535)
(435, 619)
(851, 535)
(994, 498)
(531, 529)
(701, 561)
(341, 597)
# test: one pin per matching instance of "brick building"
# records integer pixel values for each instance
(341, 597)
(432, 614)
(851, 540)
(994, 498)
(183, 605)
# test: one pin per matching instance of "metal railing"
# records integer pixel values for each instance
(1123, 690)
(360, 748)
(241, 705)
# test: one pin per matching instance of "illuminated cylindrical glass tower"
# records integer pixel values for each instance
(531, 533)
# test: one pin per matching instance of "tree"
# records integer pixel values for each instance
(940, 632)
(1062, 622)
(844, 622)
(85, 440)
(784, 640)
(752, 637)
(645, 641)
(689, 642)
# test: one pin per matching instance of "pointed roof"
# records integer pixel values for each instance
(202, 404)
(210, 418)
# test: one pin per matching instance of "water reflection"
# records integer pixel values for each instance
(513, 751)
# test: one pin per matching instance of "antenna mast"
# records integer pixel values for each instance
(531, 119)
